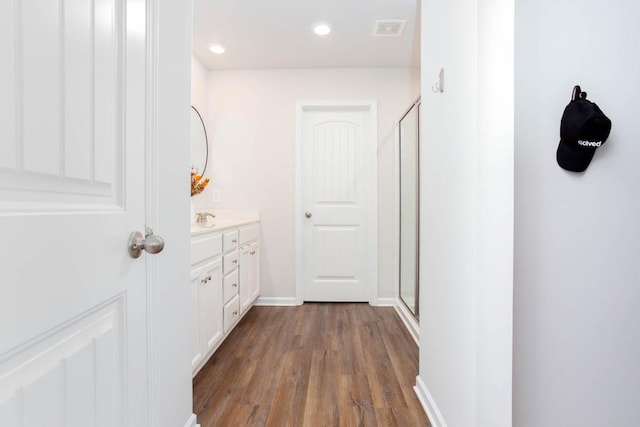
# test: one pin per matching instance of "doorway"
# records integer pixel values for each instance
(336, 202)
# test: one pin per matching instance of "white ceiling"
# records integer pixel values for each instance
(279, 33)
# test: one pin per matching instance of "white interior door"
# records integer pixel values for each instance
(73, 330)
(337, 208)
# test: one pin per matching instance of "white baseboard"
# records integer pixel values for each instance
(409, 321)
(385, 302)
(192, 421)
(429, 405)
(276, 301)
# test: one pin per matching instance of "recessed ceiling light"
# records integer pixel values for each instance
(217, 48)
(322, 29)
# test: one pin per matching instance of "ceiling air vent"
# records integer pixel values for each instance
(389, 27)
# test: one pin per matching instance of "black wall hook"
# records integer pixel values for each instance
(578, 93)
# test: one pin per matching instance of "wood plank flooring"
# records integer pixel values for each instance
(315, 365)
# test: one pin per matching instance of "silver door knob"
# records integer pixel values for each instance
(150, 242)
(307, 214)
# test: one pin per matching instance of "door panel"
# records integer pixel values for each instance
(72, 302)
(334, 180)
(73, 372)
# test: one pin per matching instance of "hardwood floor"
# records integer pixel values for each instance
(316, 365)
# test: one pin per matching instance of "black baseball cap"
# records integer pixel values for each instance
(583, 129)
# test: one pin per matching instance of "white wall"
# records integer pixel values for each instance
(171, 385)
(199, 85)
(494, 316)
(448, 209)
(251, 123)
(466, 259)
(577, 258)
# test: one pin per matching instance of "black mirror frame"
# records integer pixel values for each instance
(206, 140)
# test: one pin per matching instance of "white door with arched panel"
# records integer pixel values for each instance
(336, 202)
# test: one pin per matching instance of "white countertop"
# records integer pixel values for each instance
(215, 224)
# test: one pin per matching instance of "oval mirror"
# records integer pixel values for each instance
(199, 142)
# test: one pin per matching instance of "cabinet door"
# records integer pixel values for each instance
(245, 277)
(196, 334)
(211, 305)
(254, 272)
(249, 275)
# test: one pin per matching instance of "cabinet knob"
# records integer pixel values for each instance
(208, 278)
(235, 313)
(235, 285)
(234, 241)
(308, 214)
(235, 261)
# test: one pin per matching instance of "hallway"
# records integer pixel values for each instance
(318, 364)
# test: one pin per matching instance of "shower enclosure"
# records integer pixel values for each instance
(409, 137)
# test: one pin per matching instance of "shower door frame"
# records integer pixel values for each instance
(416, 314)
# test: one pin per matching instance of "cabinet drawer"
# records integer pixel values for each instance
(230, 262)
(230, 240)
(230, 286)
(231, 313)
(249, 233)
(203, 247)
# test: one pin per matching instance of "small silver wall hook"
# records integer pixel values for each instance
(438, 85)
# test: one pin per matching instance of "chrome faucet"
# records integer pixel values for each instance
(201, 217)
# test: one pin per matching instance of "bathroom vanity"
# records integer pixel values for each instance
(225, 281)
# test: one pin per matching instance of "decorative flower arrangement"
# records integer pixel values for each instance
(197, 183)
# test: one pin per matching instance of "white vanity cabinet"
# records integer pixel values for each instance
(224, 284)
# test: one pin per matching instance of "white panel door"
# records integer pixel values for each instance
(337, 186)
(73, 329)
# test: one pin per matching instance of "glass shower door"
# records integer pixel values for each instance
(409, 208)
